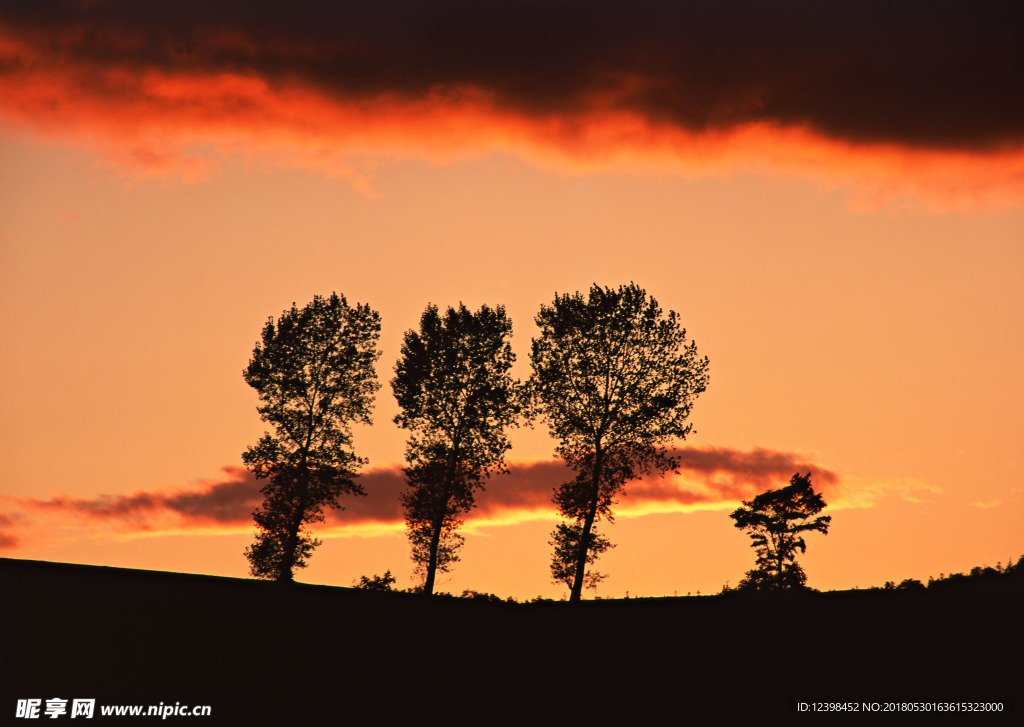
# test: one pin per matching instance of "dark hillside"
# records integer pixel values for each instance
(260, 653)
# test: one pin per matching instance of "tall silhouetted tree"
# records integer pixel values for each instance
(314, 372)
(457, 397)
(615, 380)
(774, 521)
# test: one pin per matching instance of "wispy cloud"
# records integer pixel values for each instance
(910, 97)
(994, 502)
(708, 477)
(856, 492)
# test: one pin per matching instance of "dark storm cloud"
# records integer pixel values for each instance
(916, 73)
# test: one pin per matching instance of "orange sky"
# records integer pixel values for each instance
(855, 282)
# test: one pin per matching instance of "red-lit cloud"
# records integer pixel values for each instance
(224, 502)
(897, 99)
(7, 539)
(708, 477)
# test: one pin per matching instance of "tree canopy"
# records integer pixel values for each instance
(615, 380)
(774, 520)
(457, 398)
(314, 372)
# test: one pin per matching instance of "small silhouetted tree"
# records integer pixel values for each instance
(615, 380)
(457, 398)
(775, 520)
(314, 372)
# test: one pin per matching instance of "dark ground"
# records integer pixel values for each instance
(264, 654)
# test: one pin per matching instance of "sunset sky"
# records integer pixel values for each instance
(831, 195)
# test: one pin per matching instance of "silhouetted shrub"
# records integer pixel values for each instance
(488, 597)
(910, 584)
(376, 583)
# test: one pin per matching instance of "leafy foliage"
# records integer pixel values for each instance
(314, 372)
(615, 380)
(566, 543)
(774, 521)
(457, 398)
(432, 507)
(376, 583)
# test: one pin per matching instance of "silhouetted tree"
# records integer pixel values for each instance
(457, 397)
(615, 380)
(314, 372)
(774, 521)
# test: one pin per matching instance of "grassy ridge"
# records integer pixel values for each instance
(261, 653)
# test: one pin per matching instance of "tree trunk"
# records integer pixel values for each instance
(780, 560)
(435, 542)
(588, 523)
(285, 573)
(435, 537)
